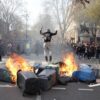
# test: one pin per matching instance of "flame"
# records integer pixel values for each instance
(15, 63)
(69, 65)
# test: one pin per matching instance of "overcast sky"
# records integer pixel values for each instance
(34, 7)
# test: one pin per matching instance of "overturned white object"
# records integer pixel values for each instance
(84, 66)
(94, 85)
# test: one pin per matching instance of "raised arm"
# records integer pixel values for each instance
(41, 32)
(55, 33)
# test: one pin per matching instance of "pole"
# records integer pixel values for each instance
(26, 24)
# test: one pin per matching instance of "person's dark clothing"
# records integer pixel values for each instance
(47, 35)
(80, 50)
(47, 44)
(86, 52)
(89, 52)
(93, 49)
(98, 52)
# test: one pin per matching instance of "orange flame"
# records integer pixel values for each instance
(15, 63)
(69, 65)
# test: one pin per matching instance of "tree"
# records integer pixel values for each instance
(17, 24)
(45, 22)
(83, 2)
(91, 16)
(11, 22)
(63, 13)
(93, 10)
(8, 9)
(91, 13)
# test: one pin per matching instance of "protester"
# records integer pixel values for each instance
(87, 50)
(47, 44)
(98, 52)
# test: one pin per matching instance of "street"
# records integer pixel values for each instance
(50, 42)
(72, 91)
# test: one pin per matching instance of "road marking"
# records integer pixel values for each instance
(83, 89)
(7, 85)
(38, 97)
(94, 85)
(58, 88)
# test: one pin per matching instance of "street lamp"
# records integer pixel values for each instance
(27, 45)
(26, 17)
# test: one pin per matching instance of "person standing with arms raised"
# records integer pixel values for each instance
(47, 36)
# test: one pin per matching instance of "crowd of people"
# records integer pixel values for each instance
(87, 50)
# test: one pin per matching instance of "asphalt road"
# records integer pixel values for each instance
(72, 91)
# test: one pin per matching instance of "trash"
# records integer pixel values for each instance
(85, 67)
(85, 74)
(47, 79)
(28, 82)
(5, 75)
(63, 80)
(97, 72)
(37, 65)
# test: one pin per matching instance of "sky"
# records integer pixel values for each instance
(34, 8)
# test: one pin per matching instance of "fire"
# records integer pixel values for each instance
(16, 63)
(69, 65)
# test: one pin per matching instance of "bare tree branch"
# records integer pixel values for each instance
(63, 11)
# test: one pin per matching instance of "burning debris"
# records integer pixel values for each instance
(16, 63)
(46, 77)
(66, 69)
(49, 75)
(68, 66)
